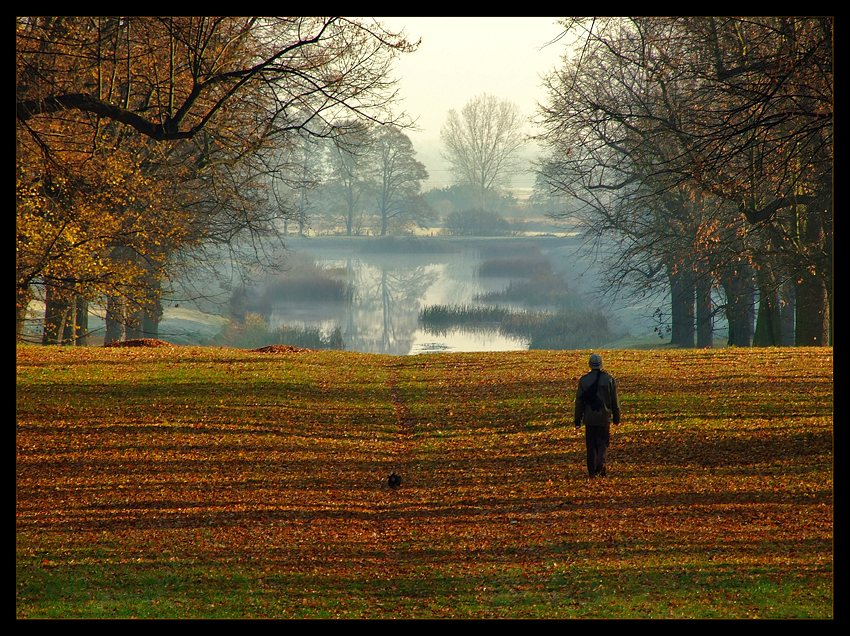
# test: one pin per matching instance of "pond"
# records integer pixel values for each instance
(392, 281)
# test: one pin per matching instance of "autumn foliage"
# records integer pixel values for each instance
(139, 140)
(193, 482)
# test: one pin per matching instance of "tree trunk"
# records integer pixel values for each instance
(23, 296)
(56, 314)
(823, 235)
(133, 325)
(705, 313)
(831, 309)
(682, 294)
(239, 304)
(69, 326)
(786, 313)
(812, 316)
(144, 322)
(740, 290)
(152, 311)
(114, 320)
(81, 324)
(768, 323)
(349, 220)
(151, 317)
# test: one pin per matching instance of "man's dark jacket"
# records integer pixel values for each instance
(607, 392)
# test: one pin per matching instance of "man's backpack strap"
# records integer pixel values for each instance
(590, 396)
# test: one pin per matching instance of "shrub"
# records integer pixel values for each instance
(476, 223)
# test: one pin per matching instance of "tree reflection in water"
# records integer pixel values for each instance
(390, 290)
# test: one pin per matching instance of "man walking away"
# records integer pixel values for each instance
(597, 405)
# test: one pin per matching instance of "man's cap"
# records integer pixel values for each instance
(595, 361)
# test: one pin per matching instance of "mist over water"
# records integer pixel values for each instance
(390, 290)
(391, 287)
(407, 296)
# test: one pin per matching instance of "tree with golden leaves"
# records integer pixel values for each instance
(139, 137)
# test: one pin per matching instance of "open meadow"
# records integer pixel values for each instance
(190, 482)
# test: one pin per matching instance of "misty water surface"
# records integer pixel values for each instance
(387, 283)
(391, 288)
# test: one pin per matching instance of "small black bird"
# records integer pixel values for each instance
(393, 481)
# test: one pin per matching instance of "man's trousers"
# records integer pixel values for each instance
(597, 439)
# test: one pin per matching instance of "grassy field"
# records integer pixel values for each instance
(191, 482)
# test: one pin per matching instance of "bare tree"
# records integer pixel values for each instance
(727, 119)
(481, 142)
(610, 154)
(396, 176)
(298, 173)
(346, 175)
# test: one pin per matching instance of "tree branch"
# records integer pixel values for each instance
(83, 102)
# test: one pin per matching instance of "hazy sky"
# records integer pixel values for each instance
(462, 57)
